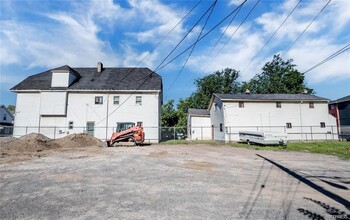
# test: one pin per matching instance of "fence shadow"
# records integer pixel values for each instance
(334, 212)
(320, 189)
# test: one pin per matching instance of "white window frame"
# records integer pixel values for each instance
(116, 100)
(138, 100)
(98, 100)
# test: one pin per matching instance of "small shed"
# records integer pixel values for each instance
(199, 124)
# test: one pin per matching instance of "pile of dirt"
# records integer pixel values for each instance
(6, 140)
(78, 141)
(38, 145)
(32, 142)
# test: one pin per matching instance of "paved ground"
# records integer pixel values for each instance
(176, 182)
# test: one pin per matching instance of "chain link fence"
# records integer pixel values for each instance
(304, 133)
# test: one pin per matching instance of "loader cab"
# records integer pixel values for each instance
(122, 126)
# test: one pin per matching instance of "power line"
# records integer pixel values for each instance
(184, 51)
(306, 28)
(342, 50)
(224, 45)
(161, 41)
(150, 75)
(272, 36)
(183, 38)
(251, 10)
(189, 55)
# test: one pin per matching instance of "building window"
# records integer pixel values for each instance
(278, 105)
(311, 105)
(322, 124)
(70, 125)
(116, 100)
(289, 125)
(221, 130)
(4, 118)
(138, 100)
(139, 123)
(241, 104)
(216, 107)
(98, 100)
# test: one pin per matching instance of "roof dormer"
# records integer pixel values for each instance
(63, 76)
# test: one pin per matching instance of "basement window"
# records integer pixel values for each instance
(278, 105)
(70, 125)
(98, 100)
(289, 125)
(116, 100)
(322, 124)
(311, 105)
(138, 100)
(241, 104)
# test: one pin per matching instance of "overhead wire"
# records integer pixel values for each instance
(224, 45)
(306, 28)
(279, 27)
(206, 34)
(150, 75)
(184, 37)
(340, 51)
(189, 55)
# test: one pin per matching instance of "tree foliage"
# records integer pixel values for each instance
(11, 107)
(278, 76)
(224, 81)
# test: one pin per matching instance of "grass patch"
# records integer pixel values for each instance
(336, 148)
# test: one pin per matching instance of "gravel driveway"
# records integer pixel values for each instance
(176, 182)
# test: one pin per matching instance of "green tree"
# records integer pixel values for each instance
(278, 76)
(224, 81)
(11, 107)
(169, 116)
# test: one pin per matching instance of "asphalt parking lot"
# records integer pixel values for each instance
(176, 182)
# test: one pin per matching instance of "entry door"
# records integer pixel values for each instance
(90, 127)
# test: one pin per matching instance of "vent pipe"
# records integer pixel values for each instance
(99, 67)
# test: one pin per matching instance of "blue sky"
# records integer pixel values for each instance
(41, 35)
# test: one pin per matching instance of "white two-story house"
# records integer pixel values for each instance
(69, 100)
(303, 117)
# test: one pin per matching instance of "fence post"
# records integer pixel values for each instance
(174, 133)
(54, 133)
(26, 130)
(312, 137)
(332, 133)
(201, 133)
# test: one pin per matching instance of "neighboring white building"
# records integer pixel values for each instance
(301, 116)
(6, 121)
(72, 100)
(199, 124)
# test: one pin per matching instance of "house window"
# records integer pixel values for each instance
(138, 100)
(278, 105)
(116, 100)
(241, 104)
(322, 124)
(216, 107)
(139, 123)
(70, 125)
(4, 118)
(98, 100)
(221, 130)
(311, 105)
(289, 125)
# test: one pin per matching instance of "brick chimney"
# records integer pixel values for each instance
(99, 67)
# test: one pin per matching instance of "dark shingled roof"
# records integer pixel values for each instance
(270, 97)
(193, 111)
(90, 79)
(344, 99)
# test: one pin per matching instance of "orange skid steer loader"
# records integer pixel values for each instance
(127, 133)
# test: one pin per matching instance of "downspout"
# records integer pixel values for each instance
(107, 117)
